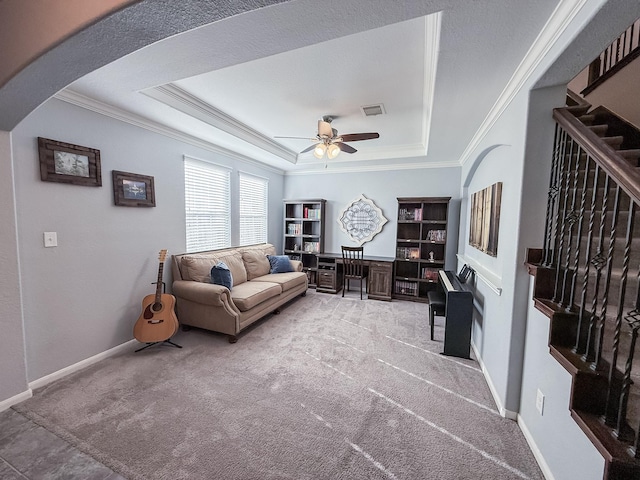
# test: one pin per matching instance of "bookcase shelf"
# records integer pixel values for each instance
(304, 233)
(421, 241)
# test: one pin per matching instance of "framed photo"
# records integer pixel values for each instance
(66, 163)
(133, 190)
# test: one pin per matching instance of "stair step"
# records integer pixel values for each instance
(633, 155)
(578, 110)
(587, 119)
(599, 130)
(614, 142)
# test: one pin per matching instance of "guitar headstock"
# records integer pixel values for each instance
(162, 255)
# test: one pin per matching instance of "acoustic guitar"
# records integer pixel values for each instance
(158, 321)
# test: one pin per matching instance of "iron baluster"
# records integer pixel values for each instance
(563, 213)
(605, 297)
(610, 415)
(551, 199)
(572, 218)
(556, 193)
(588, 259)
(598, 262)
(633, 319)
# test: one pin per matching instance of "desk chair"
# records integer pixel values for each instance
(353, 267)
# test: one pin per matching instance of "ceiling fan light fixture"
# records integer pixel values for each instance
(333, 151)
(319, 150)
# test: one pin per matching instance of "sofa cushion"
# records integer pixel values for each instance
(221, 275)
(286, 280)
(279, 264)
(198, 267)
(249, 294)
(255, 263)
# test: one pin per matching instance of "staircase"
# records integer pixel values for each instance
(587, 277)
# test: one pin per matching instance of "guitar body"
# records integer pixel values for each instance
(158, 321)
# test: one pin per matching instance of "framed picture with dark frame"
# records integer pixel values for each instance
(133, 190)
(67, 163)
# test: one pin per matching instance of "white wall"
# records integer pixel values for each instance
(383, 188)
(13, 380)
(83, 297)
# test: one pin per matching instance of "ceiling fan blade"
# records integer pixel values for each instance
(346, 148)
(353, 137)
(308, 149)
(299, 138)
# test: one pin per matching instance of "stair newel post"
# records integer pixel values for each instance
(566, 175)
(573, 217)
(635, 315)
(585, 280)
(634, 323)
(552, 196)
(598, 261)
(610, 414)
(605, 297)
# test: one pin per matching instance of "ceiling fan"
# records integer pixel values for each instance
(329, 142)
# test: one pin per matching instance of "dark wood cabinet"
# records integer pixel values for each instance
(380, 278)
(421, 242)
(304, 233)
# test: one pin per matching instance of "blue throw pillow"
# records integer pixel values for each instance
(280, 264)
(221, 275)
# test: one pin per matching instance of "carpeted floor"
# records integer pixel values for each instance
(331, 388)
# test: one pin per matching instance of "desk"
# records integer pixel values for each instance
(379, 278)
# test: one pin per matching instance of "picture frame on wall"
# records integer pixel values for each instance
(133, 189)
(63, 162)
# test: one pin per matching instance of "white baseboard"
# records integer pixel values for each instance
(496, 398)
(546, 471)
(47, 379)
(21, 397)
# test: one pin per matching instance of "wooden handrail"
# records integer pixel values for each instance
(625, 175)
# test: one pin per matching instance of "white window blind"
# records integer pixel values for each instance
(207, 203)
(253, 209)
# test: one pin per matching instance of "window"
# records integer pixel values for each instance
(207, 204)
(253, 209)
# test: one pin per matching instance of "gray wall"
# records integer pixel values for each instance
(383, 188)
(12, 358)
(83, 297)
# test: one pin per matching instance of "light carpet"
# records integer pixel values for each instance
(331, 388)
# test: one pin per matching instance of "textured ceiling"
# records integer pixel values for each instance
(240, 81)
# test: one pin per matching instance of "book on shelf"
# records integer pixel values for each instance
(312, 213)
(294, 229)
(437, 235)
(408, 253)
(311, 246)
(404, 287)
(430, 274)
(410, 214)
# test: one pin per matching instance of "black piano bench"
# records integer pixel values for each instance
(437, 305)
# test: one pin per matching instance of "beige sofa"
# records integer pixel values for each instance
(254, 294)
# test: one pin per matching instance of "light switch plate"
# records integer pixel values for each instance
(50, 239)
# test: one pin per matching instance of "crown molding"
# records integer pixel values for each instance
(324, 168)
(79, 100)
(432, 47)
(555, 26)
(183, 101)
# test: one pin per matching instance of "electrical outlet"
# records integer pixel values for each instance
(50, 239)
(540, 402)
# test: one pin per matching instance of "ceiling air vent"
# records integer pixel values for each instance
(373, 110)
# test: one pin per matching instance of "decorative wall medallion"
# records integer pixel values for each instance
(361, 220)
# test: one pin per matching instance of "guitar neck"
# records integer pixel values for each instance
(159, 282)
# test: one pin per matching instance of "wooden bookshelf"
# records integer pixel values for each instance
(421, 241)
(304, 233)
